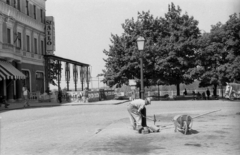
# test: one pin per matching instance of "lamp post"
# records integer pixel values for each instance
(140, 44)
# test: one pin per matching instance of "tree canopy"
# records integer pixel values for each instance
(218, 55)
(167, 54)
(175, 51)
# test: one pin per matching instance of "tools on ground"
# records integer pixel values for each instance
(148, 129)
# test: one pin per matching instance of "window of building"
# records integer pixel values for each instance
(27, 8)
(14, 3)
(34, 11)
(35, 45)
(9, 36)
(19, 41)
(41, 15)
(18, 5)
(28, 43)
(39, 83)
(42, 47)
(39, 75)
(8, 2)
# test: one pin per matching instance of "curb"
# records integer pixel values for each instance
(92, 103)
(64, 104)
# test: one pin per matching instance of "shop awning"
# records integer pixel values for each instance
(8, 71)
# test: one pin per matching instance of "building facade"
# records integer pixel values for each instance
(22, 47)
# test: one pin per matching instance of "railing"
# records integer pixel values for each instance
(73, 96)
(21, 52)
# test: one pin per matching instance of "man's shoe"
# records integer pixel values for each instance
(139, 129)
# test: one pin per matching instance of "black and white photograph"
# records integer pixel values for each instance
(119, 77)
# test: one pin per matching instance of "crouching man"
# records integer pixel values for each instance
(183, 123)
(137, 111)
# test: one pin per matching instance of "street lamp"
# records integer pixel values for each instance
(140, 44)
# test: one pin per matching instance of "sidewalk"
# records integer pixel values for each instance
(35, 104)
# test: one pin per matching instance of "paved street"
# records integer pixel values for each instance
(104, 129)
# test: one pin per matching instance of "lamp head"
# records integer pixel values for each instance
(140, 43)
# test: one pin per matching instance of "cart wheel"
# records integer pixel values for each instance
(231, 97)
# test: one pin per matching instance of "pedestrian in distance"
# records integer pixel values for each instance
(208, 94)
(133, 95)
(137, 111)
(60, 96)
(85, 95)
(3, 101)
(26, 97)
(79, 96)
(193, 93)
(185, 92)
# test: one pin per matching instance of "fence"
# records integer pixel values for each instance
(220, 92)
(73, 96)
(171, 94)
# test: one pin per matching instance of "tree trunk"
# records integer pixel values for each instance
(215, 90)
(178, 89)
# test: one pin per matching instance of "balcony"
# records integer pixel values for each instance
(9, 51)
(31, 55)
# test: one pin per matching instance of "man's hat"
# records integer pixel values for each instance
(148, 100)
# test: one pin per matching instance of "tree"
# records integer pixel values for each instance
(167, 53)
(232, 48)
(218, 55)
(176, 44)
(54, 68)
(122, 62)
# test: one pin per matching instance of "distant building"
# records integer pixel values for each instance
(22, 46)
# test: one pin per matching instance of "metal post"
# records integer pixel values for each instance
(75, 74)
(67, 76)
(59, 75)
(98, 82)
(142, 86)
(75, 86)
(47, 72)
(0, 134)
(87, 80)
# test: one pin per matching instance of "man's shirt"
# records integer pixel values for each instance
(139, 103)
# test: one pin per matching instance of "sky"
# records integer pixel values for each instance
(83, 28)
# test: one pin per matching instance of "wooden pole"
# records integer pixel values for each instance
(206, 113)
(195, 117)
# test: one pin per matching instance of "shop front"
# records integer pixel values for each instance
(11, 80)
